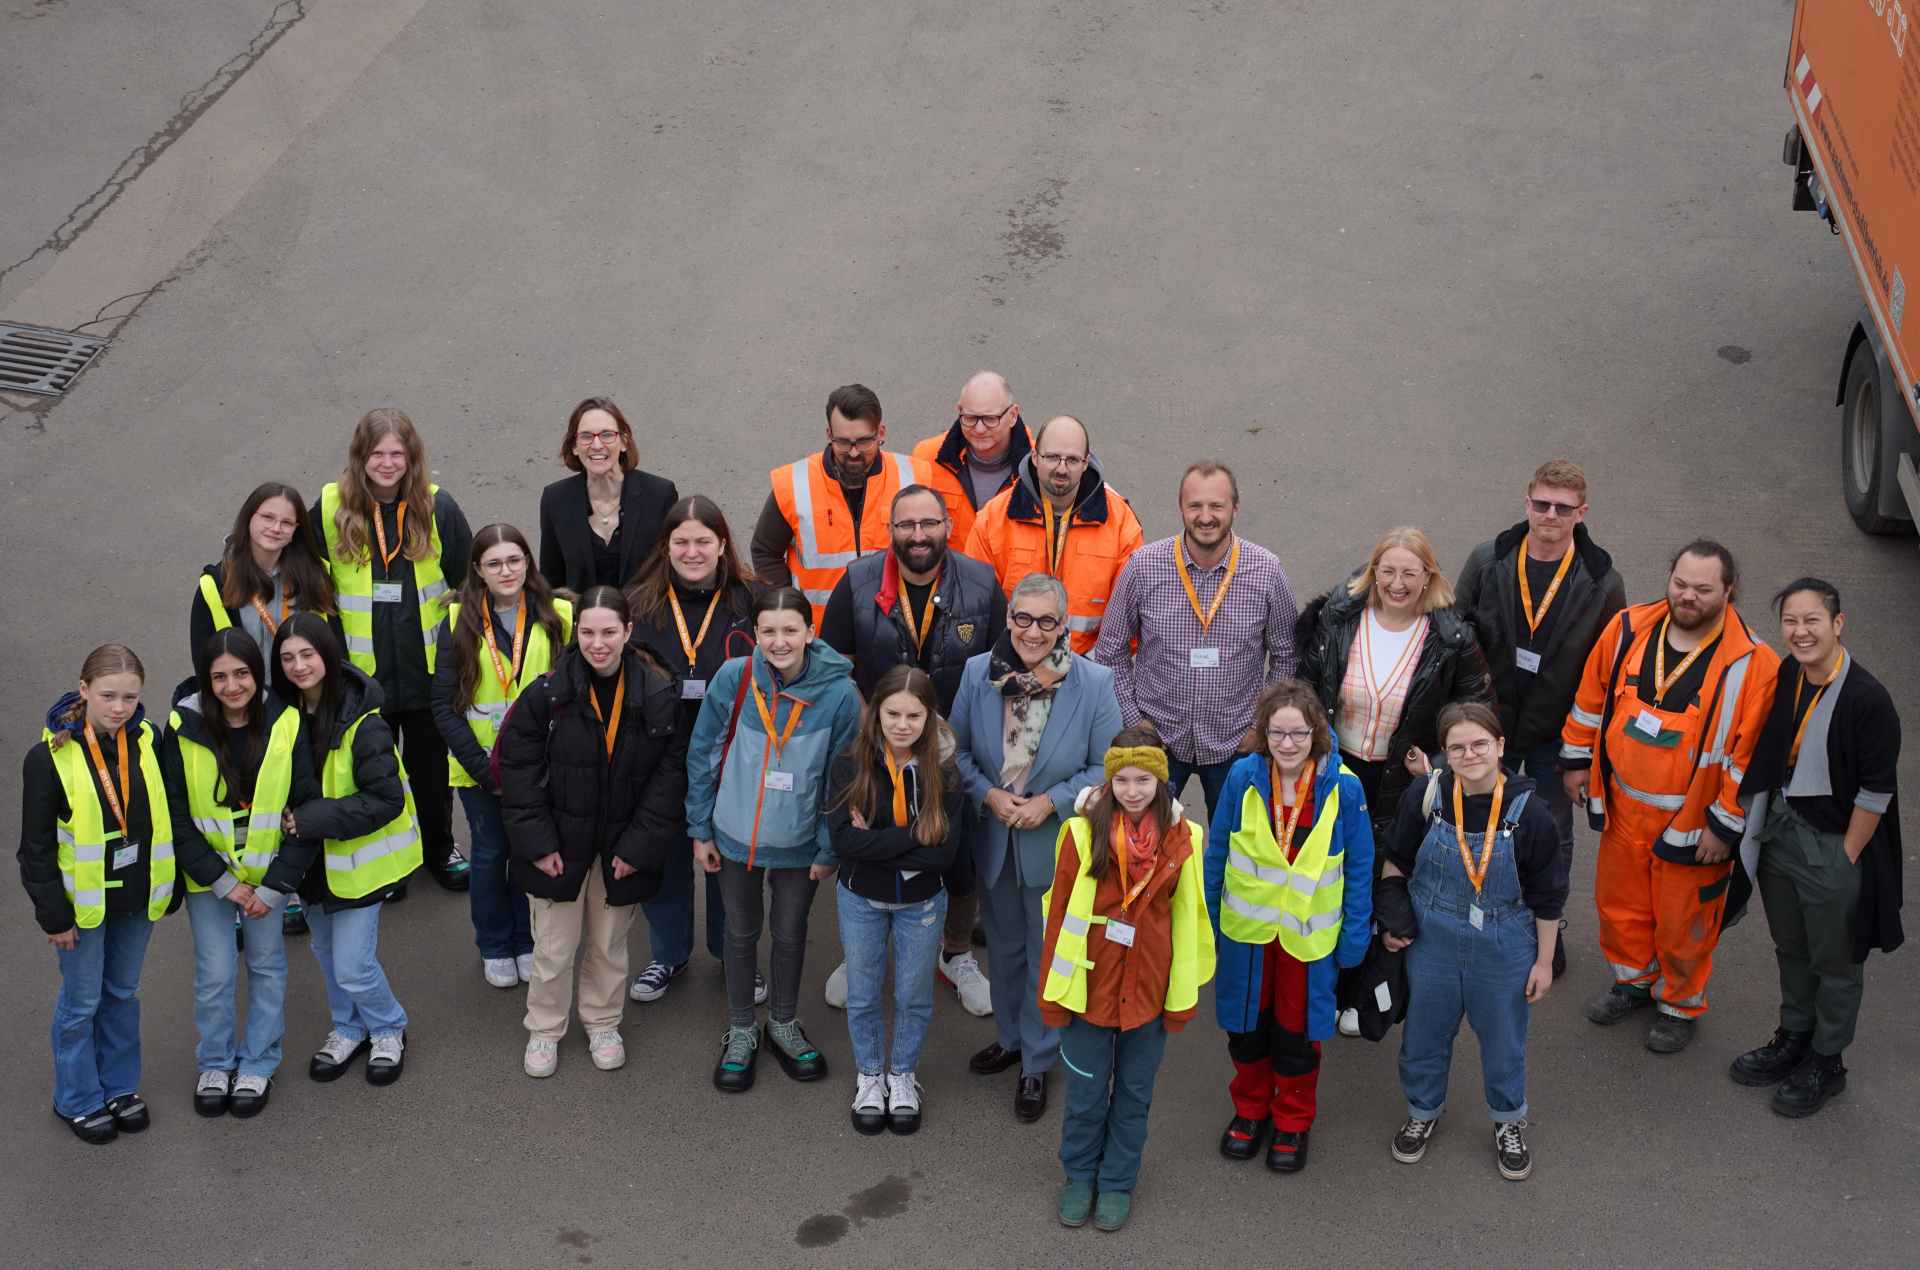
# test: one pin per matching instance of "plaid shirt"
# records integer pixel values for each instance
(1202, 714)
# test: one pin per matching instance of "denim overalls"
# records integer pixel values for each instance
(1454, 969)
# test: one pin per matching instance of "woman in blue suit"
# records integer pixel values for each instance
(1033, 720)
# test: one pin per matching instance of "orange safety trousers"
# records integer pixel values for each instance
(1659, 921)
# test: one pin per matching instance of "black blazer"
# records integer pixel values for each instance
(566, 540)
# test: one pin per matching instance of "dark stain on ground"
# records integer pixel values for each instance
(1734, 353)
(1034, 233)
(575, 1238)
(820, 1230)
(889, 1197)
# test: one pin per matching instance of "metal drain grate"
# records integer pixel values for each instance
(41, 360)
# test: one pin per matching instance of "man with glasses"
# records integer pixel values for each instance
(1062, 519)
(830, 508)
(1538, 597)
(977, 456)
(922, 605)
(1198, 624)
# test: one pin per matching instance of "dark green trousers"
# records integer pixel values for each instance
(1810, 890)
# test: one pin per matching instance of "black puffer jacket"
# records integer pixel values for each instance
(560, 792)
(1450, 669)
(379, 795)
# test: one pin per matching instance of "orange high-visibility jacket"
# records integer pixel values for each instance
(1693, 767)
(946, 451)
(1010, 534)
(825, 539)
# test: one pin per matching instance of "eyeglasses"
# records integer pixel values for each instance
(1473, 749)
(979, 423)
(507, 564)
(1541, 507)
(1047, 622)
(1388, 574)
(604, 437)
(916, 526)
(1061, 460)
(1289, 736)
(844, 445)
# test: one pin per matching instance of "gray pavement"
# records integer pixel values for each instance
(1383, 258)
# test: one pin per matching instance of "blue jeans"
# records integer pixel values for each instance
(1542, 764)
(346, 943)
(670, 913)
(501, 924)
(96, 1018)
(1110, 1077)
(1213, 779)
(915, 930)
(216, 981)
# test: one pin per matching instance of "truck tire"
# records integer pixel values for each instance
(1870, 445)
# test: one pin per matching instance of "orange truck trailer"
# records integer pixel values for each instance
(1853, 79)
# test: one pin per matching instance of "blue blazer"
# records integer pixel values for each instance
(1072, 755)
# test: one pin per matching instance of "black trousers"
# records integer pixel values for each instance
(424, 754)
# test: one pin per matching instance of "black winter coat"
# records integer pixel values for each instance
(730, 634)
(560, 793)
(196, 858)
(379, 795)
(872, 859)
(1450, 668)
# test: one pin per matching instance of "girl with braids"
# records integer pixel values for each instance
(502, 633)
(96, 856)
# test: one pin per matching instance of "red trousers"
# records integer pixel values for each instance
(1258, 1091)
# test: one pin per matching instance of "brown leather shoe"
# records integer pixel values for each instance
(1030, 1098)
(993, 1060)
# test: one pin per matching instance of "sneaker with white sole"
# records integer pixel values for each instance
(962, 971)
(759, 988)
(869, 1103)
(651, 984)
(387, 1059)
(500, 972)
(903, 1102)
(1349, 1022)
(608, 1050)
(523, 967)
(1410, 1144)
(1510, 1150)
(542, 1058)
(212, 1093)
(837, 987)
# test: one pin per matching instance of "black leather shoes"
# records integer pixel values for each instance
(808, 1064)
(95, 1128)
(1812, 1083)
(1243, 1137)
(1288, 1152)
(993, 1060)
(129, 1112)
(1772, 1062)
(1030, 1098)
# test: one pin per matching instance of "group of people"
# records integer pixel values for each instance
(959, 685)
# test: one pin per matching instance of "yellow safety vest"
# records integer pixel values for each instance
(270, 787)
(1263, 897)
(358, 867)
(82, 838)
(1193, 955)
(353, 579)
(489, 705)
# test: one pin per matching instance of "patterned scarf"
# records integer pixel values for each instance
(1028, 697)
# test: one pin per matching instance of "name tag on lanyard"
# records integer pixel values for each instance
(1527, 660)
(780, 782)
(1648, 723)
(126, 857)
(1475, 917)
(386, 592)
(1203, 658)
(693, 689)
(1119, 932)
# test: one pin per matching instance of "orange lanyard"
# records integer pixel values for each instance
(507, 677)
(1477, 876)
(1661, 679)
(777, 743)
(273, 627)
(612, 725)
(1526, 593)
(1800, 733)
(399, 533)
(1286, 826)
(1122, 849)
(894, 770)
(1193, 596)
(691, 644)
(117, 803)
(1056, 548)
(924, 627)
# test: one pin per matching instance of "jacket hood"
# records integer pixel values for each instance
(1089, 503)
(823, 665)
(1597, 561)
(67, 700)
(360, 694)
(953, 446)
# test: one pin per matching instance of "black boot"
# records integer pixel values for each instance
(1817, 1079)
(1772, 1062)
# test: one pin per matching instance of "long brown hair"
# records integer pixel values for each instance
(233, 641)
(1104, 807)
(306, 576)
(476, 610)
(1277, 696)
(351, 523)
(108, 659)
(864, 792)
(647, 589)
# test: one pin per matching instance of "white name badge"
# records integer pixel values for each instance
(1527, 660)
(1475, 918)
(126, 857)
(780, 782)
(1648, 723)
(693, 689)
(1119, 932)
(1203, 658)
(386, 593)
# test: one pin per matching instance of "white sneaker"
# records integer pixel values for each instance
(500, 972)
(962, 970)
(250, 1085)
(337, 1049)
(869, 1103)
(221, 1083)
(1349, 1022)
(837, 987)
(608, 1050)
(543, 1056)
(903, 1102)
(523, 967)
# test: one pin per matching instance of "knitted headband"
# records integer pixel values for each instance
(1148, 758)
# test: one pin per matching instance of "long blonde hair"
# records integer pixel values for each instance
(863, 794)
(1438, 593)
(350, 522)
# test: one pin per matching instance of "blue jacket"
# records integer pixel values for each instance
(1084, 718)
(1236, 983)
(735, 809)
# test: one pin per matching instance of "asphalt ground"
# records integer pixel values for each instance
(1383, 258)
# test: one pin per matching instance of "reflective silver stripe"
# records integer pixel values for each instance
(1073, 924)
(356, 644)
(1276, 877)
(356, 603)
(89, 853)
(804, 540)
(208, 825)
(369, 852)
(86, 899)
(1596, 806)
(1629, 974)
(1083, 624)
(1253, 912)
(1736, 772)
(1730, 686)
(162, 894)
(161, 853)
(492, 713)
(1586, 717)
(1698, 998)
(817, 597)
(1313, 925)
(1710, 758)
(1665, 802)
(64, 835)
(432, 637)
(433, 591)
(903, 468)
(1738, 824)
(1063, 967)
(1688, 839)
(1576, 751)
(263, 822)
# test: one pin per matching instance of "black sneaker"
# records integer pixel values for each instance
(453, 872)
(293, 919)
(1410, 1144)
(1510, 1150)
(95, 1128)
(1772, 1062)
(1669, 1034)
(1616, 1003)
(1813, 1082)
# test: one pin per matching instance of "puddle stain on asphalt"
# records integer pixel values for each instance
(889, 1197)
